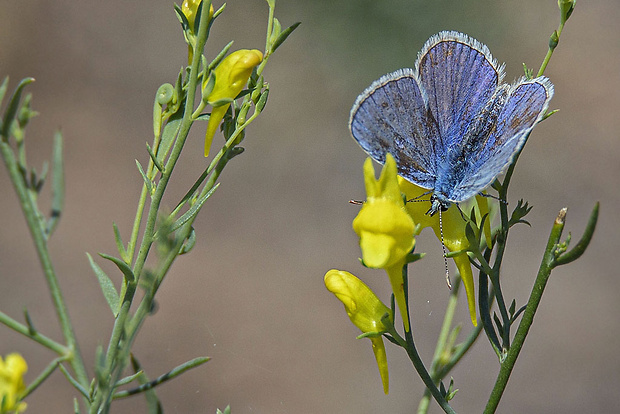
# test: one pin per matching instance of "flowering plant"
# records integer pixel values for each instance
(393, 215)
(234, 87)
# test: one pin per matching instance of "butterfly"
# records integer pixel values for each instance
(451, 124)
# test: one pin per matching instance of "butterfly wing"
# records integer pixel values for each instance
(459, 76)
(391, 116)
(525, 105)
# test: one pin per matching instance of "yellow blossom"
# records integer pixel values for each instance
(190, 10)
(12, 371)
(454, 237)
(231, 75)
(366, 312)
(385, 228)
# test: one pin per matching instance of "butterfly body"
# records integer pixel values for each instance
(450, 123)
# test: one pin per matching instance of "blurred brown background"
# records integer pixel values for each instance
(251, 293)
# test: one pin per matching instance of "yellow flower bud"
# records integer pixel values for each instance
(365, 310)
(231, 75)
(12, 371)
(190, 9)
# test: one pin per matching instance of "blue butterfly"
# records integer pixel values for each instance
(451, 124)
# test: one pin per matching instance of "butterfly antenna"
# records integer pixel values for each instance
(445, 255)
(493, 197)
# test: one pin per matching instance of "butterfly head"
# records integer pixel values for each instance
(438, 203)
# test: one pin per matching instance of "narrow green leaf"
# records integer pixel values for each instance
(163, 378)
(152, 401)
(58, 184)
(197, 18)
(3, 88)
(107, 287)
(76, 406)
(471, 235)
(129, 379)
(581, 246)
(216, 60)
(92, 387)
(262, 101)
(548, 114)
(11, 109)
(285, 33)
(99, 365)
(147, 182)
(221, 102)
(122, 266)
(193, 210)
(219, 11)
(226, 410)
(208, 87)
(498, 324)
(154, 158)
(119, 243)
(169, 135)
(73, 382)
(276, 30)
(189, 243)
(182, 18)
(516, 315)
(31, 329)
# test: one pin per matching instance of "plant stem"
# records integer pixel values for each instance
(31, 213)
(545, 62)
(441, 342)
(528, 316)
(412, 352)
(114, 365)
(35, 336)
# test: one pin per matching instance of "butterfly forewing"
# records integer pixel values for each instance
(390, 116)
(459, 76)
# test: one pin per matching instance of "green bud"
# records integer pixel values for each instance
(262, 101)
(165, 94)
(566, 9)
(243, 112)
(553, 40)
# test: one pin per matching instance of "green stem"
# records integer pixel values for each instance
(545, 62)
(409, 346)
(528, 316)
(485, 309)
(441, 343)
(31, 214)
(51, 367)
(113, 370)
(35, 336)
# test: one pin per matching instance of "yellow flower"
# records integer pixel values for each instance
(231, 75)
(366, 312)
(453, 233)
(385, 228)
(190, 9)
(12, 371)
